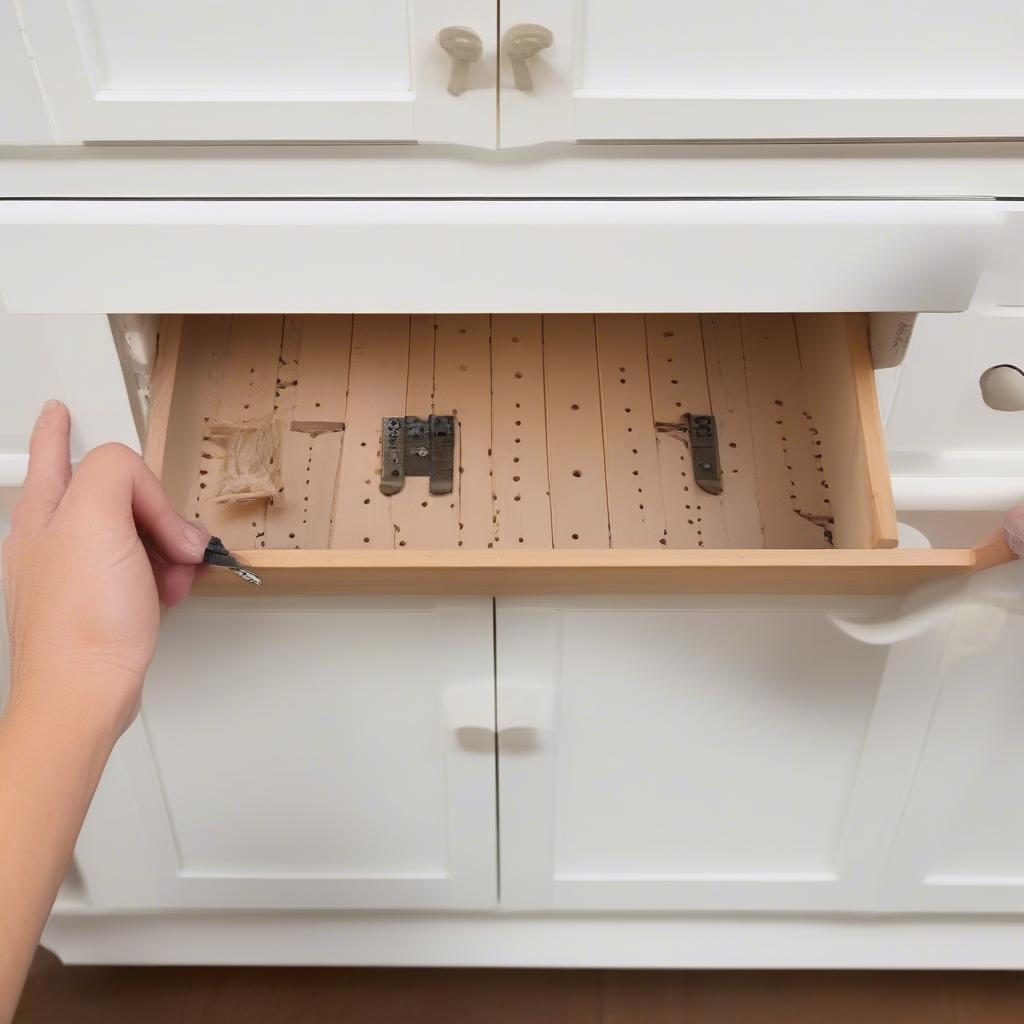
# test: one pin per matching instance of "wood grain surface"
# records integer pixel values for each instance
(572, 430)
(259, 995)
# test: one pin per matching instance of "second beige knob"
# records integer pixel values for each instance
(521, 43)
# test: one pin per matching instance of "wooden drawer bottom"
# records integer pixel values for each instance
(573, 468)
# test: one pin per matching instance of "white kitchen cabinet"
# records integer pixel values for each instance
(111, 70)
(744, 69)
(315, 755)
(313, 70)
(960, 847)
(72, 358)
(688, 776)
(701, 754)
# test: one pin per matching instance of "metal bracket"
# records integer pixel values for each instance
(392, 454)
(707, 470)
(413, 446)
(442, 454)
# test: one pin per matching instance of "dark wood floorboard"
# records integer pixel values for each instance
(217, 995)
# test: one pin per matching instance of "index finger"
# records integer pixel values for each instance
(49, 462)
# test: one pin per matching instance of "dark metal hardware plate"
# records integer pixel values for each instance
(413, 446)
(707, 470)
(442, 454)
(392, 454)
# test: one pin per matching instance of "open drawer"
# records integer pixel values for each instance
(573, 469)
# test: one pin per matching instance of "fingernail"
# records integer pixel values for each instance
(196, 537)
(51, 405)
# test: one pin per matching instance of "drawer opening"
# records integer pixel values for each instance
(571, 448)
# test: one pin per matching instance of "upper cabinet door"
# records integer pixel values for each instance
(116, 70)
(759, 69)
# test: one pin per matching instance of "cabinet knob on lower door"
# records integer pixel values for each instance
(521, 43)
(471, 711)
(464, 47)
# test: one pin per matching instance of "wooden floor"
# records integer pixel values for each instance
(572, 429)
(169, 995)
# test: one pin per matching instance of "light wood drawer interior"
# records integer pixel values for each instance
(573, 466)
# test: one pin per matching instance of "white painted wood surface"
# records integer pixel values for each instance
(113, 70)
(775, 170)
(787, 779)
(960, 847)
(72, 358)
(550, 940)
(23, 117)
(482, 256)
(947, 449)
(743, 69)
(704, 754)
(299, 755)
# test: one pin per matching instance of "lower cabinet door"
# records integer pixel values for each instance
(703, 753)
(960, 846)
(303, 754)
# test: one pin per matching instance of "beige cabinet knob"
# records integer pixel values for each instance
(1002, 388)
(521, 43)
(464, 47)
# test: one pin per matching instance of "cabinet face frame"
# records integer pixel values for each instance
(71, 358)
(70, 64)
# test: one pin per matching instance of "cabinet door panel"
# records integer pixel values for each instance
(298, 755)
(782, 69)
(116, 70)
(960, 846)
(22, 115)
(712, 754)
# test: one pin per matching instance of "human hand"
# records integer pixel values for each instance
(1013, 530)
(87, 563)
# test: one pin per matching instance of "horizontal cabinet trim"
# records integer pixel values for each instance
(492, 255)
